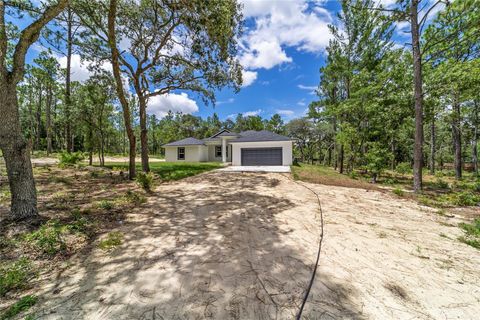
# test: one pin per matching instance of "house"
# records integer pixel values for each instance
(247, 148)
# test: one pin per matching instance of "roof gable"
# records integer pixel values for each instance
(185, 142)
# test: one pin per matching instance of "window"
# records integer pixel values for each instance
(181, 153)
(218, 151)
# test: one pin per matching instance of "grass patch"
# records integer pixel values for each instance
(328, 176)
(21, 305)
(113, 239)
(105, 204)
(14, 275)
(399, 192)
(472, 233)
(134, 198)
(48, 238)
(170, 171)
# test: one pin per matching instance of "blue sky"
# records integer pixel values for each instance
(281, 51)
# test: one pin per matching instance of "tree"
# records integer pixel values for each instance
(12, 69)
(185, 45)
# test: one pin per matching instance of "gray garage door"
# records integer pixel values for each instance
(261, 156)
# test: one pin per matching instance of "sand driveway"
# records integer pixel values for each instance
(242, 245)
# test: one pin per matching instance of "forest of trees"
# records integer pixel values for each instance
(379, 104)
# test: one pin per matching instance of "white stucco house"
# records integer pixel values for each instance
(247, 148)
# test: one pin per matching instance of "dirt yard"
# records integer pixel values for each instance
(242, 246)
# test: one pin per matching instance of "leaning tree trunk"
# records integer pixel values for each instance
(418, 94)
(17, 157)
(457, 139)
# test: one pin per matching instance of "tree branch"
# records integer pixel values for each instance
(30, 34)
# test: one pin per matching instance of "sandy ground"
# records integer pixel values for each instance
(242, 245)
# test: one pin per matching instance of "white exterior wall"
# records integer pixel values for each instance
(192, 154)
(286, 150)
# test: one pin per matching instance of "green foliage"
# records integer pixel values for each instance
(14, 275)
(145, 180)
(134, 197)
(442, 184)
(21, 305)
(403, 168)
(399, 192)
(106, 204)
(70, 158)
(113, 239)
(472, 233)
(463, 198)
(48, 238)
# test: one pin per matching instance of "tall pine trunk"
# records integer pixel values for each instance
(418, 95)
(38, 117)
(68, 102)
(457, 138)
(475, 139)
(432, 144)
(17, 156)
(48, 120)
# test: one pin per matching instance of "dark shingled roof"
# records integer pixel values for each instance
(245, 136)
(257, 136)
(185, 142)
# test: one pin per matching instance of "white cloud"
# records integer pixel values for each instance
(285, 112)
(160, 105)
(229, 100)
(79, 68)
(248, 77)
(304, 87)
(252, 113)
(279, 24)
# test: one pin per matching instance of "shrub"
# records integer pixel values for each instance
(390, 181)
(14, 275)
(113, 240)
(145, 180)
(48, 238)
(399, 192)
(471, 229)
(465, 199)
(21, 305)
(106, 205)
(442, 184)
(135, 198)
(403, 168)
(70, 158)
(353, 174)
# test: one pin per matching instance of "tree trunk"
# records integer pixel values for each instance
(17, 157)
(68, 102)
(143, 133)
(475, 139)
(457, 139)
(418, 93)
(340, 159)
(48, 121)
(112, 14)
(38, 118)
(432, 144)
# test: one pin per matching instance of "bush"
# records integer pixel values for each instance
(145, 180)
(399, 192)
(113, 240)
(14, 275)
(48, 238)
(134, 198)
(21, 305)
(70, 158)
(403, 168)
(442, 184)
(106, 205)
(465, 199)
